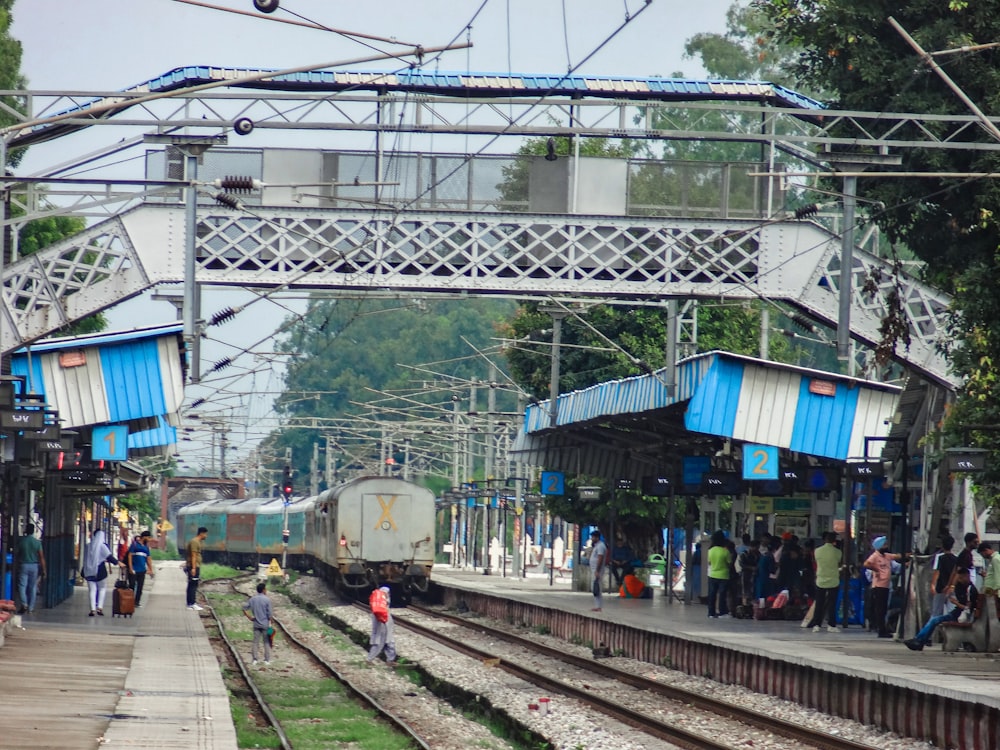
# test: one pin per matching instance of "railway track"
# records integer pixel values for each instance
(802, 736)
(393, 721)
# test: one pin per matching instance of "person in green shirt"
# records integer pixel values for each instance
(31, 567)
(991, 583)
(828, 562)
(719, 560)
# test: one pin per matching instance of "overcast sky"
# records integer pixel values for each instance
(106, 45)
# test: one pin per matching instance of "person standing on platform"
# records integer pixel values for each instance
(194, 567)
(258, 610)
(718, 576)
(139, 564)
(944, 565)
(598, 562)
(383, 635)
(95, 570)
(965, 598)
(828, 561)
(991, 581)
(880, 564)
(763, 585)
(31, 567)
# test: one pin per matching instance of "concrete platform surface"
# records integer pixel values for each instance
(150, 681)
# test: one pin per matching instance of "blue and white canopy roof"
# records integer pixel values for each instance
(724, 395)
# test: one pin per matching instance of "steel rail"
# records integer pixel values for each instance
(789, 730)
(248, 678)
(667, 732)
(396, 721)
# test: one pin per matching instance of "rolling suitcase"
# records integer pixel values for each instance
(123, 599)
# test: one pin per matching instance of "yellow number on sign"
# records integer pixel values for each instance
(761, 466)
(109, 438)
(553, 485)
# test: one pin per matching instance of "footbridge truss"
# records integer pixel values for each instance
(424, 252)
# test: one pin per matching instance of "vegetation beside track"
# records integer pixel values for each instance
(471, 705)
(315, 712)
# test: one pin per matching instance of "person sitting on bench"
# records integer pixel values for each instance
(621, 559)
(963, 595)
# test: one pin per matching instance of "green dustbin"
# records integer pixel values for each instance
(657, 564)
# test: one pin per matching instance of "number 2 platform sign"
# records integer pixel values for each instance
(760, 461)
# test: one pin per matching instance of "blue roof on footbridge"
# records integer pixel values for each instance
(442, 83)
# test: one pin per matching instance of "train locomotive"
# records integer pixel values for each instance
(364, 533)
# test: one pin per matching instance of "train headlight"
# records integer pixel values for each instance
(343, 540)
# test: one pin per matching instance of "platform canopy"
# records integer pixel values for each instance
(134, 379)
(643, 425)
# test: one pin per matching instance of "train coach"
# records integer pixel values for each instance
(367, 532)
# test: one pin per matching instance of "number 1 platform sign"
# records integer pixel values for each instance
(109, 443)
(760, 461)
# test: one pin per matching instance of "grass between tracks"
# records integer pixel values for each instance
(314, 711)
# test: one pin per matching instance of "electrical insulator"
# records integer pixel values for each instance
(804, 323)
(238, 184)
(222, 316)
(229, 201)
(222, 364)
(805, 211)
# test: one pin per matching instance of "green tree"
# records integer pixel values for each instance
(346, 350)
(10, 76)
(849, 48)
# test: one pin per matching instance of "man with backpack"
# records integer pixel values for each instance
(383, 635)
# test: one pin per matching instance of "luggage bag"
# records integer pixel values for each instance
(123, 598)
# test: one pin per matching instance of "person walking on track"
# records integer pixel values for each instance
(95, 570)
(194, 567)
(258, 610)
(598, 562)
(383, 635)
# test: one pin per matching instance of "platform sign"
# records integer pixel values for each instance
(966, 459)
(760, 461)
(553, 483)
(109, 443)
(22, 419)
(865, 470)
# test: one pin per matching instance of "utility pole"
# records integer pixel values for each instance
(314, 471)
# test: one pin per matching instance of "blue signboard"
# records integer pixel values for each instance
(760, 461)
(553, 483)
(109, 443)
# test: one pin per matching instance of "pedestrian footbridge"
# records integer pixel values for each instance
(626, 259)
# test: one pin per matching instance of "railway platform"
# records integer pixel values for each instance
(149, 681)
(949, 698)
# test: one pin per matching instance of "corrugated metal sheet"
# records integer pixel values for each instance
(823, 424)
(114, 378)
(873, 418)
(133, 385)
(713, 406)
(766, 411)
(730, 396)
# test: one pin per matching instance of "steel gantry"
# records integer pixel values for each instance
(529, 255)
(410, 247)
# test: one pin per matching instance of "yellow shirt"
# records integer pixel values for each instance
(194, 553)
